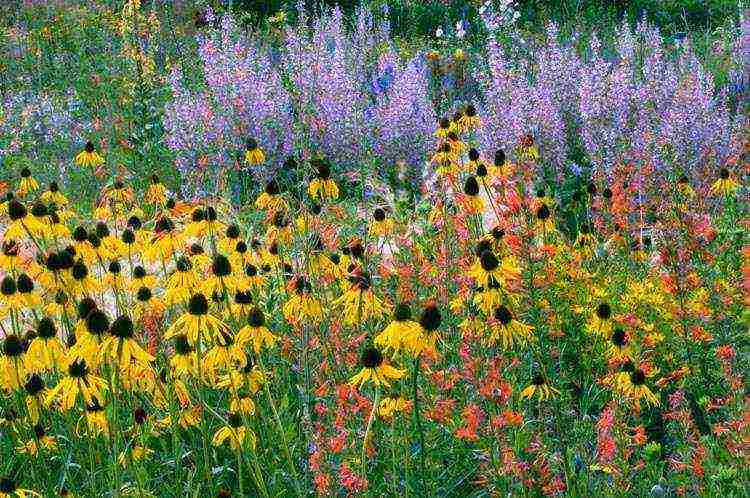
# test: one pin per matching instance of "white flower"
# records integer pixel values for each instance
(439, 32)
(460, 31)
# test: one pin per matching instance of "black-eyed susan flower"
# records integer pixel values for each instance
(226, 354)
(137, 453)
(322, 187)
(508, 330)
(280, 228)
(389, 407)
(220, 279)
(249, 378)
(271, 199)
(157, 192)
(683, 186)
(540, 387)
(166, 241)
(253, 278)
(181, 282)
(234, 433)
(27, 184)
(501, 167)
(9, 255)
(253, 153)
(725, 184)
(83, 283)
(359, 302)
(89, 157)
(242, 303)
(95, 418)
(90, 337)
(255, 332)
(600, 322)
(120, 347)
(11, 301)
(36, 390)
(78, 381)
(490, 269)
(241, 402)
(22, 223)
(183, 361)
(198, 224)
(302, 306)
(41, 441)
(197, 322)
(446, 161)
(375, 370)
(430, 322)
(457, 146)
(469, 119)
(9, 489)
(401, 331)
(381, 225)
(45, 351)
(444, 127)
(146, 303)
(527, 148)
(544, 218)
(475, 164)
(12, 370)
(619, 346)
(632, 385)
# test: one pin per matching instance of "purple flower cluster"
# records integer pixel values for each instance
(326, 90)
(347, 95)
(644, 105)
(44, 129)
(244, 98)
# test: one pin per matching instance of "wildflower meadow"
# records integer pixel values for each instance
(380, 248)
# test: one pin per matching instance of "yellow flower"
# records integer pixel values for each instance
(601, 322)
(255, 332)
(725, 184)
(234, 433)
(322, 187)
(45, 353)
(278, 18)
(27, 183)
(9, 489)
(41, 441)
(374, 370)
(469, 119)
(96, 420)
(225, 355)
(137, 454)
(381, 226)
(22, 223)
(632, 385)
(619, 347)
(302, 306)
(360, 303)
(121, 347)
(488, 270)
(157, 192)
(508, 330)
(184, 360)
(88, 157)
(271, 199)
(253, 154)
(390, 406)
(197, 323)
(78, 381)
(401, 331)
(540, 388)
